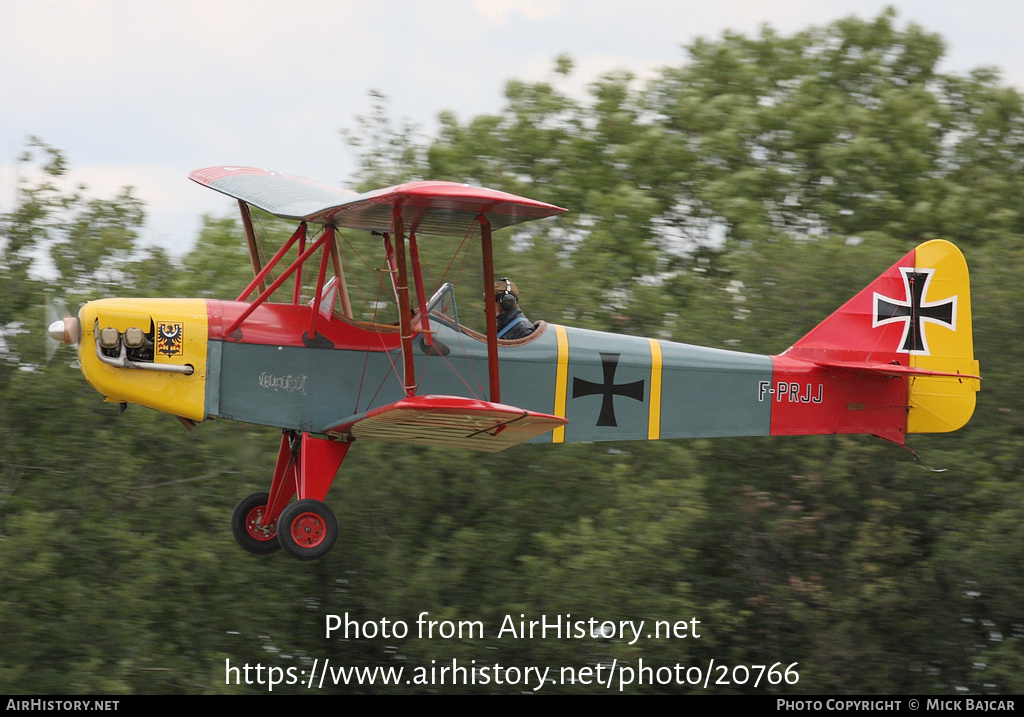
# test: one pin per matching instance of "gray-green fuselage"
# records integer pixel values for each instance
(609, 387)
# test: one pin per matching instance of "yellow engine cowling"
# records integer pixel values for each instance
(151, 352)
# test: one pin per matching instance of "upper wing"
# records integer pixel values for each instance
(427, 207)
(282, 195)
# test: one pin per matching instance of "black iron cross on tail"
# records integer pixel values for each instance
(915, 310)
(608, 390)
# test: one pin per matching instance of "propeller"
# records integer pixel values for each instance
(62, 326)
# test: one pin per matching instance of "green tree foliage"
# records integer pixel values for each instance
(734, 200)
(387, 154)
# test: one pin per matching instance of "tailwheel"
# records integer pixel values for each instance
(245, 524)
(307, 529)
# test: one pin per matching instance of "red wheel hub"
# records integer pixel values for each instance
(308, 530)
(253, 527)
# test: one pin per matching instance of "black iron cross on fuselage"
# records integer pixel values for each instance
(915, 310)
(608, 390)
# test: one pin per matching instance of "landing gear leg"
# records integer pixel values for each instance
(307, 529)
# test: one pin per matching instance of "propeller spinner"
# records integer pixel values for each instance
(62, 326)
(65, 331)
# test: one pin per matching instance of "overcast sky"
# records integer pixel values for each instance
(138, 93)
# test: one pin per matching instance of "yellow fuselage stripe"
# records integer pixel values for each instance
(561, 381)
(654, 418)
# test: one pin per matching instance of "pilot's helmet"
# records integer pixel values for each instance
(506, 293)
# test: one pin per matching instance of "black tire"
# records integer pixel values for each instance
(307, 529)
(245, 529)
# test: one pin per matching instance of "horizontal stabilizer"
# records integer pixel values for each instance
(448, 421)
(891, 369)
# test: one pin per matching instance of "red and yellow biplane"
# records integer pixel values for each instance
(897, 358)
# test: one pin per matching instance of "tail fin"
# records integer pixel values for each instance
(912, 322)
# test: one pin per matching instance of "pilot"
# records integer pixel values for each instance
(512, 323)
